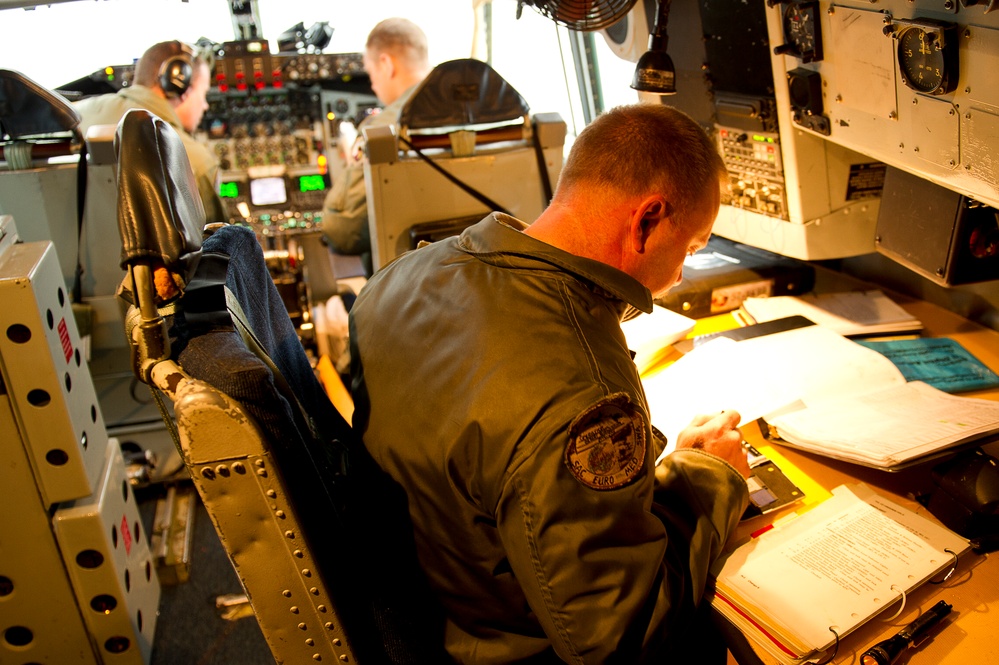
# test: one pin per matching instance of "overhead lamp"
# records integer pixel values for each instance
(654, 71)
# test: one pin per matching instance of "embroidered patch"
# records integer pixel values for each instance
(607, 444)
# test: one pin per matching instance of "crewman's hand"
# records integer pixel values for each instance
(718, 435)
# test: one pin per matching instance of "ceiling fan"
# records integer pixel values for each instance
(580, 15)
(654, 72)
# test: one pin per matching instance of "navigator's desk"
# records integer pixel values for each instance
(972, 635)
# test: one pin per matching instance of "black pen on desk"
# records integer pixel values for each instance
(888, 652)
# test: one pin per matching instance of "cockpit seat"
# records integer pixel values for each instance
(465, 94)
(318, 539)
(36, 125)
(466, 145)
(40, 120)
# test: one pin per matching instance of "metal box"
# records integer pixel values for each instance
(39, 618)
(46, 375)
(106, 552)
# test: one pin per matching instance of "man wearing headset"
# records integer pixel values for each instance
(171, 81)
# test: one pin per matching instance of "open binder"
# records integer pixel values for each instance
(821, 392)
(801, 587)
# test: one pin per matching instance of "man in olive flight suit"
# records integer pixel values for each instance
(171, 81)
(493, 383)
(395, 58)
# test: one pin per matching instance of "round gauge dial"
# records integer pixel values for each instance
(924, 64)
(801, 31)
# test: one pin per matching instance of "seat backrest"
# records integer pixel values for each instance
(321, 545)
(462, 94)
(476, 128)
(30, 111)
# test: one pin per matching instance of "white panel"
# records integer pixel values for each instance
(872, 119)
(28, 197)
(848, 231)
(100, 251)
(866, 58)
(106, 552)
(856, 89)
(979, 155)
(408, 192)
(933, 130)
(46, 375)
(628, 39)
(979, 58)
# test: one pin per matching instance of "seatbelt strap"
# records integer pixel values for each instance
(254, 345)
(468, 189)
(81, 201)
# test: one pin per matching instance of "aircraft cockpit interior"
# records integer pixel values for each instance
(860, 140)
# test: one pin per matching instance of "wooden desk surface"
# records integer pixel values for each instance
(971, 634)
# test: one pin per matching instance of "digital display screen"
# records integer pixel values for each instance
(229, 190)
(268, 191)
(311, 183)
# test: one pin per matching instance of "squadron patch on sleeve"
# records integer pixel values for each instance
(607, 444)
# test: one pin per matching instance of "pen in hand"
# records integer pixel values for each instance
(888, 652)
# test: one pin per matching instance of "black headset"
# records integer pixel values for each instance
(177, 71)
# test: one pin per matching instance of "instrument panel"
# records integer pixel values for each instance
(317, 67)
(907, 82)
(802, 31)
(273, 123)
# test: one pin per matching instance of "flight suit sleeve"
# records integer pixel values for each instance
(345, 212)
(700, 498)
(206, 174)
(591, 555)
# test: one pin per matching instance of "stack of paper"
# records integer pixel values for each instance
(848, 313)
(761, 376)
(886, 427)
(821, 392)
(822, 575)
(649, 335)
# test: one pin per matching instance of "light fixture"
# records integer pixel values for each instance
(654, 72)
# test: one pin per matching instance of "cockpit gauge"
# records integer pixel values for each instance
(802, 31)
(927, 55)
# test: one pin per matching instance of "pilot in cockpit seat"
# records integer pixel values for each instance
(395, 58)
(171, 81)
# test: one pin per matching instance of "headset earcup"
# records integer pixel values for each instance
(175, 75)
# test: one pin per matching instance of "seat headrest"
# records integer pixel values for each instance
(27, 109)
(461, 93)
(160, 214)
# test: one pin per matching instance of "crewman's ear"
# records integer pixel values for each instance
(388, 64)
(649, 216)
